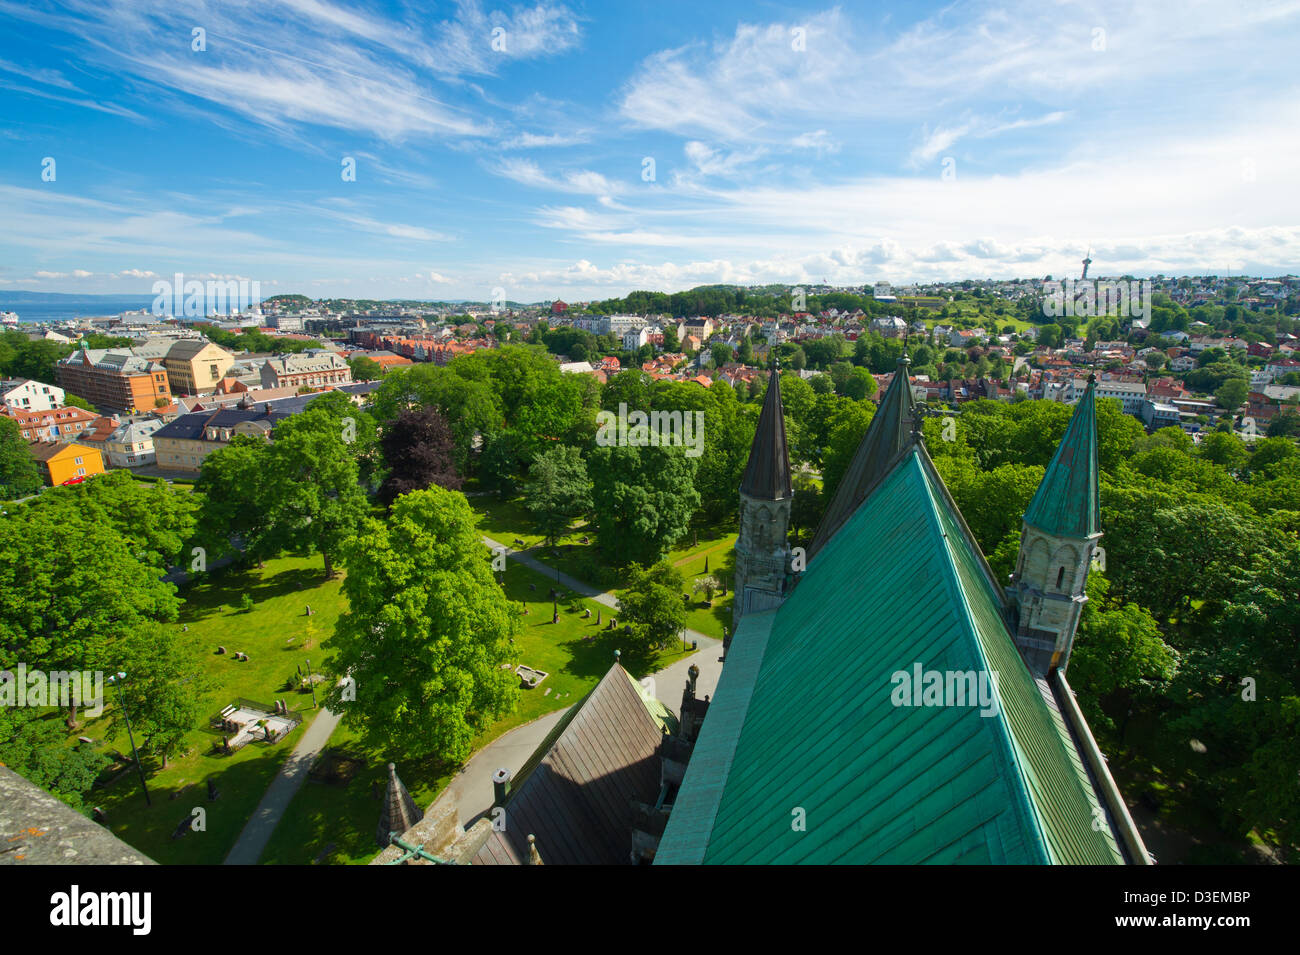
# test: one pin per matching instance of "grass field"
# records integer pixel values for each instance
(509, 521)
(278, 637)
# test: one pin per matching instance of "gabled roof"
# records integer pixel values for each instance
(804, 715)
(767, 475)
(890, 430)
(1067, 503)
(576, 792)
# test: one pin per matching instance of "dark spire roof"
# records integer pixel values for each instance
(767, 475)
(1066, 503)
(889, 432)
(399, 813)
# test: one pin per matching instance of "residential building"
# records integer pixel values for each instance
(184, 443)
(115, 380)
(68, 463)
(131, 445)
(25, 394)
(58, 424)
(1159, 414)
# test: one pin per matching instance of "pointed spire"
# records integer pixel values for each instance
(1067, 504)
(399, 813)
(889, 432)
(767, 475)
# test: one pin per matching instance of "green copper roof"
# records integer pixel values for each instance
(1066, 503)
(890, 430)
(803, 722)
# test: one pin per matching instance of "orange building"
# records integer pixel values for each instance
(115, 380)
(67, 463)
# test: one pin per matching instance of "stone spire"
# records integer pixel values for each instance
(763, 548)
(1057, 541)
(889, 432)
(399, 813)
(767, 475)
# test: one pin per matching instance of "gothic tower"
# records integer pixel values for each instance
(762, 549)
(1059, 537)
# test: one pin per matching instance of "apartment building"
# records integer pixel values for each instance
(57, 424)
(115, 380)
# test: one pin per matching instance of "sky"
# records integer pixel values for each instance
(583, 150)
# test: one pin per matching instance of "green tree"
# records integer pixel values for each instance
(1120, 659)
(162, 690)
(19, 475)
(1232, 393)
(425, 633)
(72, 592)
(558, 491)
(643, 499)
(365, 368)
(652, 606)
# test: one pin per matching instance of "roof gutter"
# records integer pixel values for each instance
(1128, 834)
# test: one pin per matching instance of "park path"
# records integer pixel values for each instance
(605, 597)
(470, 790)
(257, 831)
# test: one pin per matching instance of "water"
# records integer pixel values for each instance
(90, 307)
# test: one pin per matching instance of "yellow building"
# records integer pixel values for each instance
(196, 366)
(67, 463)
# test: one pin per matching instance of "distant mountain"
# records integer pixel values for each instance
(20, 297)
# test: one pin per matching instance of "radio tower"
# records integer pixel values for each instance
(1087, 261)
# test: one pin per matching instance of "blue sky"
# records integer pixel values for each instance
(511, 145)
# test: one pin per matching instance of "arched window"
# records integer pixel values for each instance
(1060, 578)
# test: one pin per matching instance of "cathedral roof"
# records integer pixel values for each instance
(576, 791)
(1067, 502)
(767, 475)
(805, 717)
(890, 430)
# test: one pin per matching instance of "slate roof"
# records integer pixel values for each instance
(767, 475)
(190, 427)
(1067, 503)
(890, 430)
(576, 792)
(803, 716)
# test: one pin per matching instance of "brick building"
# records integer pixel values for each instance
(115, 380)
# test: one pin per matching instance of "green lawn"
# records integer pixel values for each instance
(509, 521)
(335, 822)
(275, 636)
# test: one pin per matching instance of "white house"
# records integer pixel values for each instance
(27, 395)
